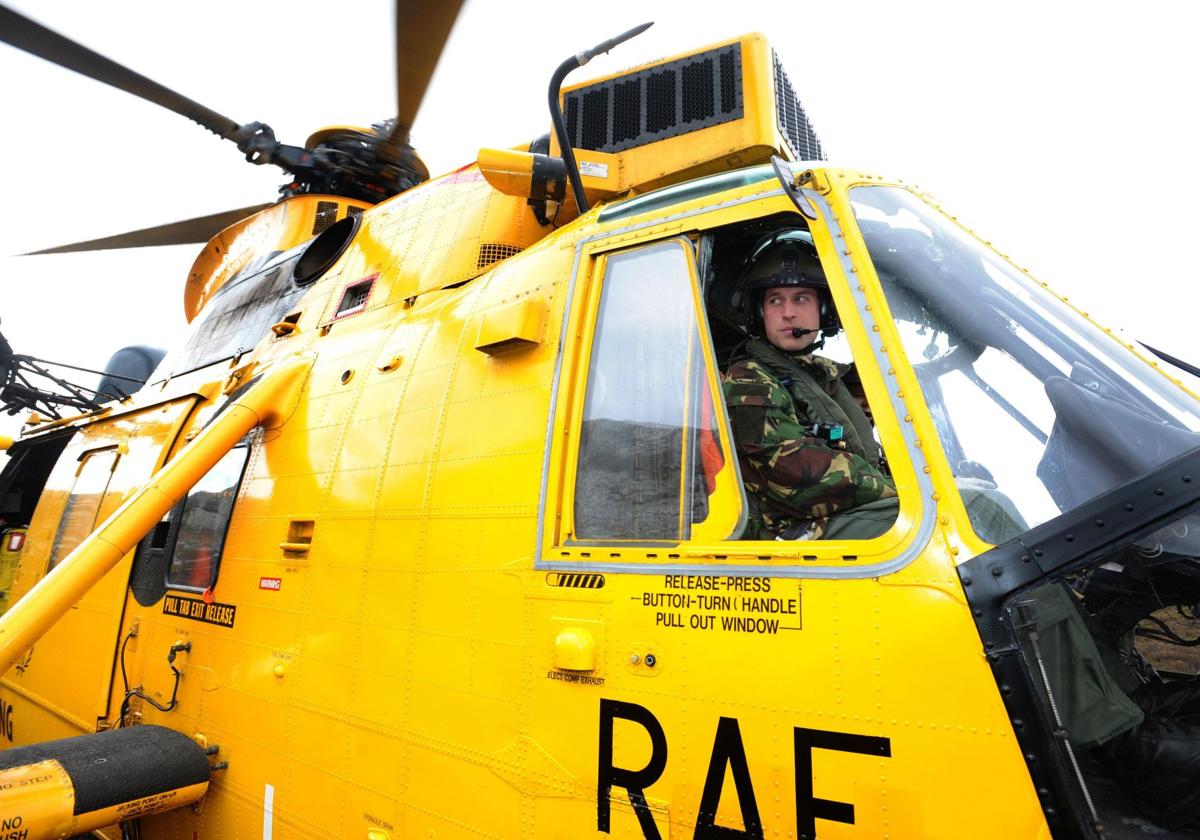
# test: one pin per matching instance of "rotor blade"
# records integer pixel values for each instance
(199, 229)
(32, 37)
(1169, 359)
(422, 28)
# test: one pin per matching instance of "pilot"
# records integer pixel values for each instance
(807, 450)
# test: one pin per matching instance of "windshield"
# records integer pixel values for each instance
(1033, 404)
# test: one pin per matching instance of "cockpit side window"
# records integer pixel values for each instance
(650, 456)
(658, 452)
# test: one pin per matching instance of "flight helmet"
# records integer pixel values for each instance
(786, 258)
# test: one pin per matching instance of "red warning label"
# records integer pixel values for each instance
(274, 584)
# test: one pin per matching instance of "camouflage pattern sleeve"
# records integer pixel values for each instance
(793, 473)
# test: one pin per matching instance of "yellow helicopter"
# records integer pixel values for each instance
(434, 524)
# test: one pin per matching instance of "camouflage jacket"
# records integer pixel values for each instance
(797, 479)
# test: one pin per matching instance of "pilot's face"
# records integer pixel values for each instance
(788, 308)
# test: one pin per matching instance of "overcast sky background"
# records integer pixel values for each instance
(1065, 133)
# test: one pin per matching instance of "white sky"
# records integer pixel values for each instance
(1066, 133)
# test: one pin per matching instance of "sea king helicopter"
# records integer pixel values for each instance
(434, 523)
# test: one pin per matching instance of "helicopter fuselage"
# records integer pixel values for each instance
(401, 612)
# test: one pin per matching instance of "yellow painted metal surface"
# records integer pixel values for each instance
(71, 684)
(516, 326)
(36, 801)
(265, 402)
(385, 651)
(407, 635)
(380, 656)
(508, 170)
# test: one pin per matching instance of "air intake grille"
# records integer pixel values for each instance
(326, 215)
(793, 122)
(664, 101)
(494, 252)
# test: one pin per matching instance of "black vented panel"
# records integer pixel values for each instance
(326, 215)
(571, 115)
(663, 101)
(660, 101)
(595, 119)
(793, 122)
(729, 81)
(699, 92)
(627, 111)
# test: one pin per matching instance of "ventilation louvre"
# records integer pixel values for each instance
(494, 252)
(793, 121)
(326, 215)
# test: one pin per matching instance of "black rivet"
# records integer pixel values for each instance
(966, 580)
(1018, 723)
(1030, 758)
(651, 660)
(1051, 813)
(978, 613)
(993, 658)
(1187, 479)
(1005, 689)
(1099, 523)
(997, 571)
(1069, 538)
(1025, 558)
(987, 645)
(1044, 792)
(1037, 552)
(1158, 491)
(1128, 506)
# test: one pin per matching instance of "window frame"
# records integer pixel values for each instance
(85, 458)
(858, 304)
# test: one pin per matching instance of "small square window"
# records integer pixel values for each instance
(354, 299)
